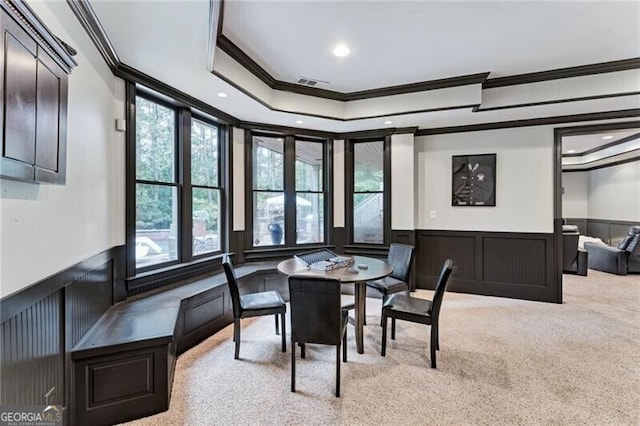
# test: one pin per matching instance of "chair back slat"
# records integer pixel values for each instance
(401, 258)
(233, 285)
(436, 303)
(316, 315)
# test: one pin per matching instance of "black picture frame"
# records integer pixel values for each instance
(473, 180)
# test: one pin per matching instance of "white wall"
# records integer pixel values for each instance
(575, 202)
(402, 181)
(47, 228)
(614, 192)
(238, 179)
(338, 183)
(524, 180)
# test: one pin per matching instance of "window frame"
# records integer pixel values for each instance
(290, 219)
(184, 117)
(323, 192)
(219, 188)
(349, 180)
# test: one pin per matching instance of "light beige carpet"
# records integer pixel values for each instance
(502, 361)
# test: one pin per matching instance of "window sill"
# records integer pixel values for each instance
(161, 277)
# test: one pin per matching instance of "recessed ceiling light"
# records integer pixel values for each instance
(388, 122)
(299, 122)
(607, 137)
(571, 151)
(222, 94)
(341, 50)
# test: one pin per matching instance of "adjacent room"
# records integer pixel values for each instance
(241, 212)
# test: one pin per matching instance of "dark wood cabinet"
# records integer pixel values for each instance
(34, 81)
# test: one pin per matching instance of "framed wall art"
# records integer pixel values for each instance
(473, 180)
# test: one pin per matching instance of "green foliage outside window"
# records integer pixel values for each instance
(155, 161)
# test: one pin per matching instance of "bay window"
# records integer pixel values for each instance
(176, 190)
(288, 191)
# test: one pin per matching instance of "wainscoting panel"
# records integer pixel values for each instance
(32, 355)
(134, 381)
(516, 265)
(403, 237)
(609, 231)
(599, 230)
(86, 299)
(514, 261)
(41, 323)
(580, 223)
(434, 249)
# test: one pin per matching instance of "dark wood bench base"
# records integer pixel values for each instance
(123, 367)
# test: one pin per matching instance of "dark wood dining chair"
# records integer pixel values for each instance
(252, 305)
(413, 309)
(317, 317)
(400, 256)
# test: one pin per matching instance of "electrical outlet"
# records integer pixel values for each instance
(454, 270)
(433, 214)
(49, 397)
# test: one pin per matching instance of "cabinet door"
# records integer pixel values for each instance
(19, 101)
(33, 108)
(50, 119)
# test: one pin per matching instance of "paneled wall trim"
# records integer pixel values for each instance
(41, 323)
(515, 265)
(609, 231)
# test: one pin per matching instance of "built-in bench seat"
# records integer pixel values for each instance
(123, 367)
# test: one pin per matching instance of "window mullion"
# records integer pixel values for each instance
(184, 179)
(290, 191)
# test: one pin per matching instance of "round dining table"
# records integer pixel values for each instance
(367, 268)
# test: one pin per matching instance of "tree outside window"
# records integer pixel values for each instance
(289, 210)
(175, 191)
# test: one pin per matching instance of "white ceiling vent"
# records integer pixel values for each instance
(312, 82)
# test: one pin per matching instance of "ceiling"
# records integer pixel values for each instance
(392, 43)
(582, 152)
(400, 42)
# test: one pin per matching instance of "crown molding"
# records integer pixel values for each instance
(559, 119)
(555, 101)
(89, 21)
(26, 18)
(131, 74)
(578, 71)
(238, 55)
(603, 166)
(602, 147)
(215, 29)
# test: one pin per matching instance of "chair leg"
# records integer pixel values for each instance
(437, 335)
(284, 332)
(236, 337)
(393, 328)
(293, 366)
(344, 347)
(434, 339)
(338, 370)
(384, 299)
(302, 350)
(384, 335)
(277, 329)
